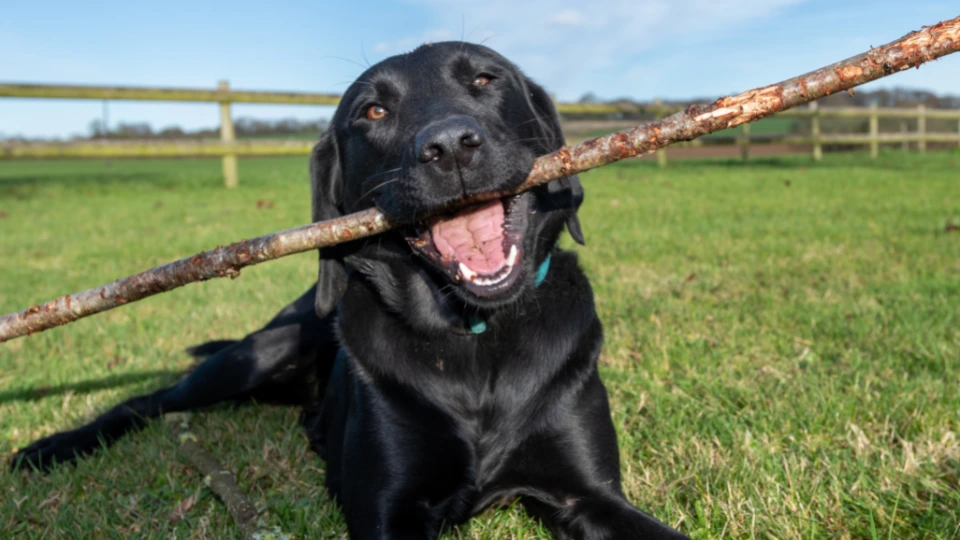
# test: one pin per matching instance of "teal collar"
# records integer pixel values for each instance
(478, 325)
(542, 271)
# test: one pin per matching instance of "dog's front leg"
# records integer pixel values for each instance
(573, 472)
(397, 483)
(598, 516)
(397, 468)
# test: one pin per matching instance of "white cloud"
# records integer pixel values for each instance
(569, 17)
(561, 43)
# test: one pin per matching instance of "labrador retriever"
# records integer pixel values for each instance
(452, 364)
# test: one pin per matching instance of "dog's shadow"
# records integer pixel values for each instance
(84, 387)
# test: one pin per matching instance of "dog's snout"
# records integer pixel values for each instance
(449, 143)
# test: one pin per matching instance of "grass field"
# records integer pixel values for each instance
(767, 126)
(783, 345)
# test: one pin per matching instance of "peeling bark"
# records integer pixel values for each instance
(928, 44)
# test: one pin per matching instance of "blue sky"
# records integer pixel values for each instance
(641, 49)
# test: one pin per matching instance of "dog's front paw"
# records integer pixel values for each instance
(61, 447)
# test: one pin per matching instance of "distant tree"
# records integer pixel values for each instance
(171, 132)
(96, 128)
(589, 97)
(141, 130)
(251, 127)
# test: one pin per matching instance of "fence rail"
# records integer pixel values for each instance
(862, 112)
(223, 94)
(154, 149)
(228, 148)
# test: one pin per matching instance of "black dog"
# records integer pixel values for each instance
(448, 366)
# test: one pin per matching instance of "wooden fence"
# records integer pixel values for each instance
(229, 148)
(873, 138)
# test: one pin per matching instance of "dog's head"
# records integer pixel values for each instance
(418, 132)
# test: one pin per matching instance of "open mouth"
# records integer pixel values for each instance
(479, 247)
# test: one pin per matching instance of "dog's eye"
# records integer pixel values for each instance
(376, 112)
(481, 80)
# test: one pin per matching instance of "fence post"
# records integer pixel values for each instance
(745, 142)
(227, 136)
(921, 128)
(815, 131)
(874, 132)
(904, 144)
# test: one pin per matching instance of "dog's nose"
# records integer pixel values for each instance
(450, 142)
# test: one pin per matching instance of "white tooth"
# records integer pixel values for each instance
(500, 275)
(512, 259)
(467, 273)
(494, 280)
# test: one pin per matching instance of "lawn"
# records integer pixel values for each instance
(783, 345)
(767, 126)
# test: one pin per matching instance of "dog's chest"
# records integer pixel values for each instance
(495, 393)
(492, 390)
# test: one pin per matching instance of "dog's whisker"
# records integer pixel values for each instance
(344, 60)
(364, 53)
(378, 186)
(374, 175)
(351, 83)
(535, 118)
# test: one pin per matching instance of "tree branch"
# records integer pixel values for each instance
(928, 44)
(218, 479)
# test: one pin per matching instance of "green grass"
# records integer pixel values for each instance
(782, 345)
(766, 126)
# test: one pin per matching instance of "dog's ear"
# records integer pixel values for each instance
(568, 191)
(545, 121)
(326, 190)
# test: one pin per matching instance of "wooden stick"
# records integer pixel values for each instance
(216, 477)
(928, 44)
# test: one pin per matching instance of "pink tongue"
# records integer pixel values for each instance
(473, 237)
